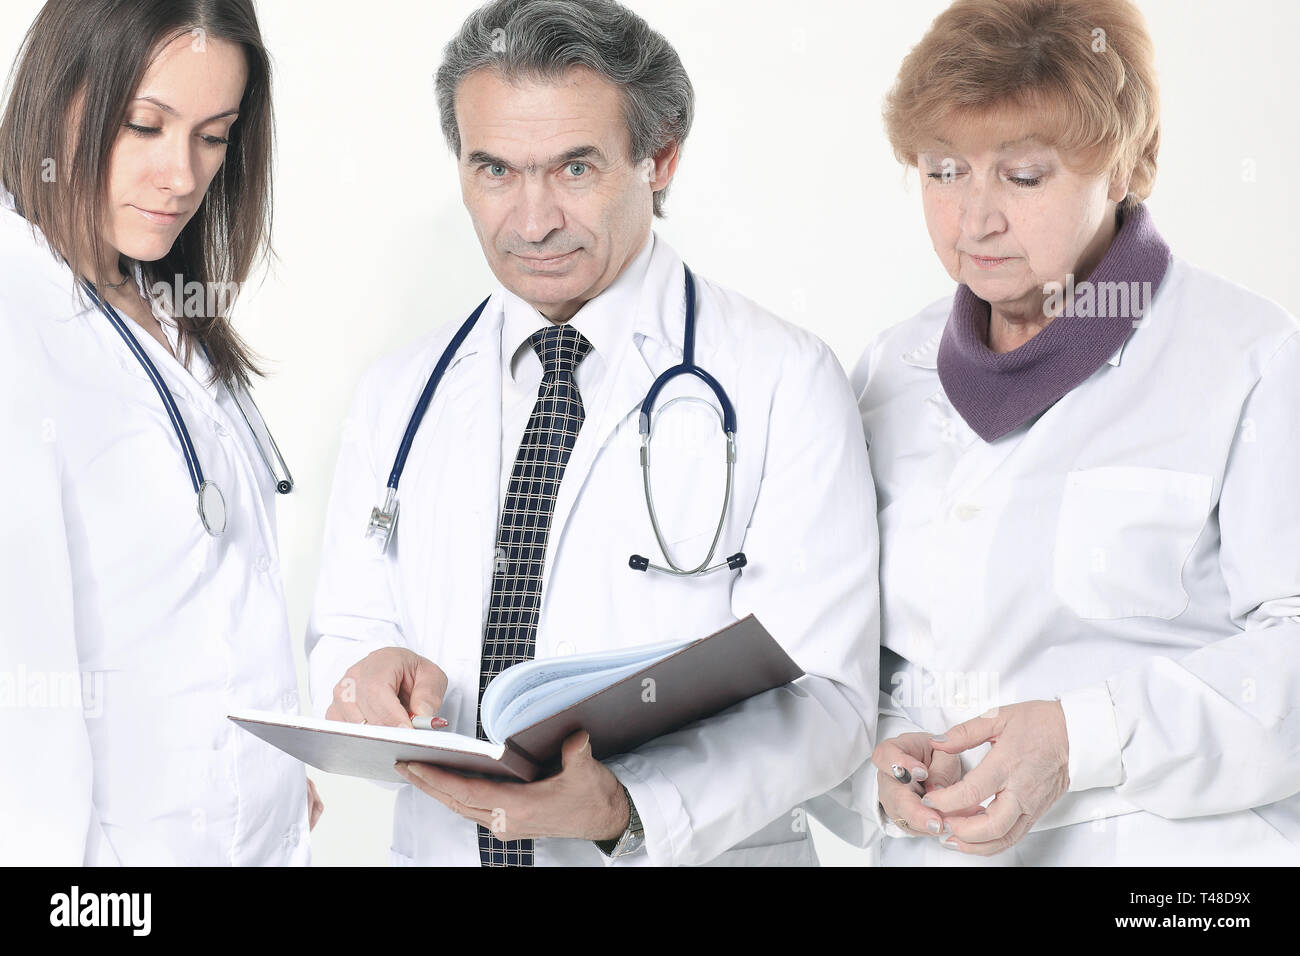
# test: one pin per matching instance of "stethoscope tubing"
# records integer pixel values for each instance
(208, 509)
(383, 519)
(169, 403)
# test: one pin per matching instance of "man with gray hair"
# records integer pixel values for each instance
(524, 489)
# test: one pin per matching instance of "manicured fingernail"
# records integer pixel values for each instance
(950, 843)
(925, 802)
(932, 826)
(901, 775)
(939, 738)
(920, 773)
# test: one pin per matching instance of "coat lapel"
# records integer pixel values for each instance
(466, 455)
(659, 310)
(620, 395)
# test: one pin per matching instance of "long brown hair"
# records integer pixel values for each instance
(93, 54)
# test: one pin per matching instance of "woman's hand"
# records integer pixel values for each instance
(1025, 771)
(907, 767)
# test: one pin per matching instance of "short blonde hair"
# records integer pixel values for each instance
(1078, 73)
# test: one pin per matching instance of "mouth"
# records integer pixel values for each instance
(988, 262)
(546, 263)
(158, 218)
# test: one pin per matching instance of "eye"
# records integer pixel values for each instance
(943, 177)
(143, 130)
(1024, 180)
(577, 169)
(215, 140)
(495, 170)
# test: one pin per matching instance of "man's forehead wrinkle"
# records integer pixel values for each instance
(531, 151)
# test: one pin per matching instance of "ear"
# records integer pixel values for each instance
(664, 166)
(1119, 181)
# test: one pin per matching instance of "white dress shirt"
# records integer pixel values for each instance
(605, 322)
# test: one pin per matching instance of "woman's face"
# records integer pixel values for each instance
(1008, 214)
(172, 145)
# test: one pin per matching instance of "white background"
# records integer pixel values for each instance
(787, 192)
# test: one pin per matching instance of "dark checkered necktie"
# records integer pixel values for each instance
(511, 632)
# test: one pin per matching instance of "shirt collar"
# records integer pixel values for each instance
(605, 321)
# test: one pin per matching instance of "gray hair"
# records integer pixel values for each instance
(541, 39)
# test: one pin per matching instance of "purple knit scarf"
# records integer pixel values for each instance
(995, 393)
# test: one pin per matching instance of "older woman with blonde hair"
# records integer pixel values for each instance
(1086, 461)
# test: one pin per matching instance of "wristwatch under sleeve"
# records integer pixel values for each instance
(632, 839)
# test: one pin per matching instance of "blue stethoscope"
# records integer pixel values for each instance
(383, 520)
(211, 502)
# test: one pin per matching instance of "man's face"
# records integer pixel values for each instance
(546, 174)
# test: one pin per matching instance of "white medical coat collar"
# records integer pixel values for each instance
(46, 278)
(659, 313)
(604, 321)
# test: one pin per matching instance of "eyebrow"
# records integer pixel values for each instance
(1031, 138)
(481, 158)
(167, 109)
(1002, 147)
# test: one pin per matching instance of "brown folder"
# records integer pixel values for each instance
(694, 683)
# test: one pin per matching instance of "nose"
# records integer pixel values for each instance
(176, 167)
(538, 213)
(981, 211)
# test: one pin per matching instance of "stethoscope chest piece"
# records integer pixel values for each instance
(383, 522)
(212, 508)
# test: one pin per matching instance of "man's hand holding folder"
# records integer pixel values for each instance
(584, 800)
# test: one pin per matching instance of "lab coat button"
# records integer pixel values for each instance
(263, 563)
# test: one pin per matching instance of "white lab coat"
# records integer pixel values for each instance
(727, 790)
(126, 632)
(1135, 550)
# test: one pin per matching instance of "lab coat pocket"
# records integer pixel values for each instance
(1123, 536)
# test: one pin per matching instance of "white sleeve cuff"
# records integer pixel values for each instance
(659, 805)
(1093, 736)
(887, 826)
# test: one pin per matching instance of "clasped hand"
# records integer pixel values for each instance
(1025, 771)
